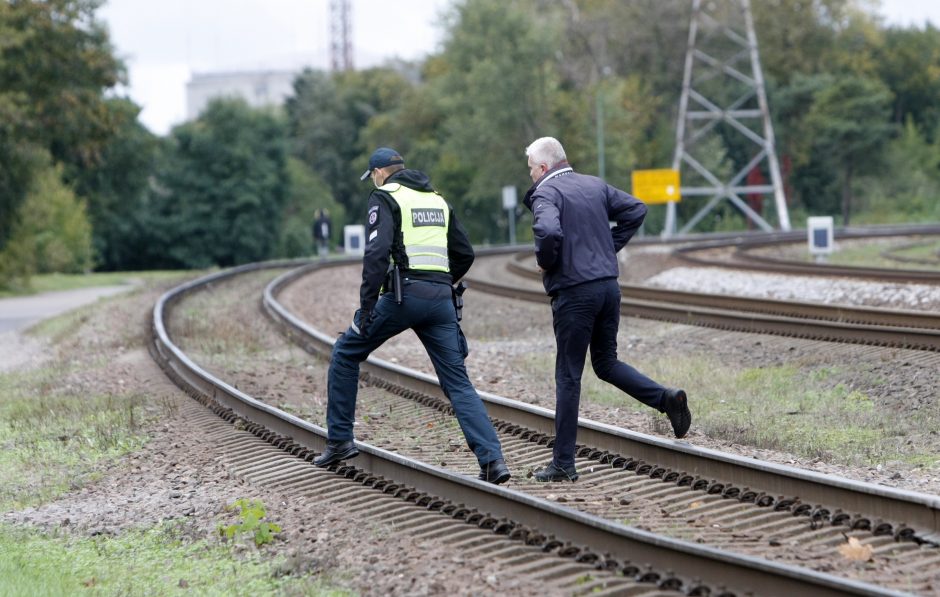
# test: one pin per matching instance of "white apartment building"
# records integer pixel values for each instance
(257, 88)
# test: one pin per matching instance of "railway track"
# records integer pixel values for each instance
(751, 504)
(623, 559)
(741, 253)
(918, 330)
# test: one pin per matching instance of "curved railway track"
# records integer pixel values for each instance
(632, 559)
(751, 501)
(862, 325)
(743, 255)
(896, 253)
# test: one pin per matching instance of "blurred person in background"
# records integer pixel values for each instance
(322, 231)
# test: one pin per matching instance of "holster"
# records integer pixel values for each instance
(458, 299)
(393, 282)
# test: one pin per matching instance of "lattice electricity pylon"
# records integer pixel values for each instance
(725, 98)
(340, 36)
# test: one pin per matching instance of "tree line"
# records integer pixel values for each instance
(83, 185)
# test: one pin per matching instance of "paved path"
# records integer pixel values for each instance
(20, 312)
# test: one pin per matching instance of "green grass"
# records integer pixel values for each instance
(929, 251)
(857, 254)
(162, 560)
(210, 324)
(56, 282)
(62, 326)
(53, 437)
(802, 411)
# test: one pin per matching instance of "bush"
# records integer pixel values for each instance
(51, 233)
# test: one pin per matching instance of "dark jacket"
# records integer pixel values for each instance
(384, 239)
(574, 242)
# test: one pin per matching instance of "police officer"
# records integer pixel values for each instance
(576, 250)
(415, 250)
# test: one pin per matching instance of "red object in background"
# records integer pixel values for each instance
(755, 200)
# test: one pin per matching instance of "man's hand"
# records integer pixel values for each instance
(362, 321)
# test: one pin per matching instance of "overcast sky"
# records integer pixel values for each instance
(164, 42)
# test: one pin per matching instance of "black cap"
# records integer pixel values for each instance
(382, 157)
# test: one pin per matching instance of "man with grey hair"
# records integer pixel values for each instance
(576, 250)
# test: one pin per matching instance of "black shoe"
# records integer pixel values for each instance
(495, 472)
(676, 407)
(553, 472)
(336, 451)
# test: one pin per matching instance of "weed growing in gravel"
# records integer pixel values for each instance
(157, 561)
(63, 326)
(251, 514)
(52, 437)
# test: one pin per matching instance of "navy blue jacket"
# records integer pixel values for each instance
(574, 242)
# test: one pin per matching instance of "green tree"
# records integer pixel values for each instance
(55, 63)
(850, 120)
(116, 189)
(327, 115)
(222, 188)
(494, 82)
(907, 187)
(50, 234)
(307, 194)
(909, 64)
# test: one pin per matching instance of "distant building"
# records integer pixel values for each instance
(258, 88)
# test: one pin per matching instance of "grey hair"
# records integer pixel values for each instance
(546, 150)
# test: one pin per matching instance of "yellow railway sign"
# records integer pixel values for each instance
(656, 186)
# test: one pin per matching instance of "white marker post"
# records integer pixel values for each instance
(819, 237)
(354, 239)
(509, 204)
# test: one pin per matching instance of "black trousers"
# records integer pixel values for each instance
(588, 316)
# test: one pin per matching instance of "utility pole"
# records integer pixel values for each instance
(728, 96)
(341, 52)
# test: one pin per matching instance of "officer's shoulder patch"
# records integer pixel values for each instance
(373, 215)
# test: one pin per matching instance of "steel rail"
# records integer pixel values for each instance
(918, 510)
(748, 261)
(900, 318)
(910, 511)
(700, 313)
(699, 564)
(894, 254)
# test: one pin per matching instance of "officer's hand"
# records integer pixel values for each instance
(363, 320)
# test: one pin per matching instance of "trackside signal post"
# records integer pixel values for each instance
(819, 236)
(509, 204)
(724, 97)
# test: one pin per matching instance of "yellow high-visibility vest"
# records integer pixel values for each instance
(424, 220)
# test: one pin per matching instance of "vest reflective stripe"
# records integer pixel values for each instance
(424, 221)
